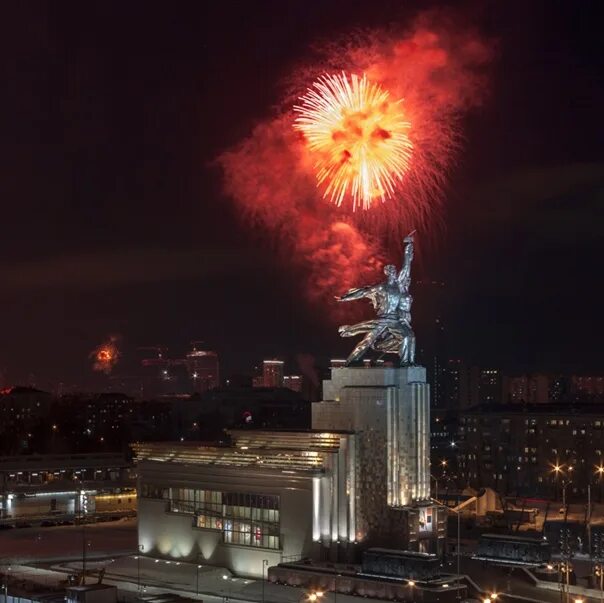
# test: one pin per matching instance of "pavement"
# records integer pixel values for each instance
(57, 552)
(62, 542)
(47, 556)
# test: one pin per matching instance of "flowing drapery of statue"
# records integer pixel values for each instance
(390, 332)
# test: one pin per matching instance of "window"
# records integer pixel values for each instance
(149, 491)
(182, 500)
(243, 518)
(251, 519)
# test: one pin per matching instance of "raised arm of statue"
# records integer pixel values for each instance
(353, 294)
(404, 275)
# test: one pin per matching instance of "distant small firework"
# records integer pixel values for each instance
(358, 137)
(106, 355)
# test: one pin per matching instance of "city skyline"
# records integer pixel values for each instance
(189, 412)
(113, 198)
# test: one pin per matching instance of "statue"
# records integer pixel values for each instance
(390, 332)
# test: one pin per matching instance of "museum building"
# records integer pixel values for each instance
(359, 478)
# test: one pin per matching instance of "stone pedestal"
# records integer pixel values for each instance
(389, 410)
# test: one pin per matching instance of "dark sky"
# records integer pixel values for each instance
(113, 221)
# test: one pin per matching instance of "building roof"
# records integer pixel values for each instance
(286, 450)
(40, 462)
(21, 389)
(86, 587)
(402, 554)
(513, 538)
(560, 408)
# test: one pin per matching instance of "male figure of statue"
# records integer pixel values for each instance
(391, 331)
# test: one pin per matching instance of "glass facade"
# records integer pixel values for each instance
(243, 518)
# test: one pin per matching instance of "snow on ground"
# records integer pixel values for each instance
(48, 555)
(61, 542)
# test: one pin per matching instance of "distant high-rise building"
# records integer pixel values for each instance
(293, 382)
(486, 386)
(453, 385)
(458, 386)
(155, 371)
(532, 388)
(272, 373)
(203, 369)
(514, 448)
(591, 386)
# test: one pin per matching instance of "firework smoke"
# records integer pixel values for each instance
(438, 69)
(106, 355)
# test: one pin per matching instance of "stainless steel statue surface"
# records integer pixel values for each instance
(391, 331)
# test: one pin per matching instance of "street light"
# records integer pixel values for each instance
(458, 551)
(226, 597)
(435, 486)
(600, 474)
(199, 566)
(599, 571)
(141, 548)
(564, 567)
(264, 563)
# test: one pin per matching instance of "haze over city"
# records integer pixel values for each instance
(301, 302)
(118, 222)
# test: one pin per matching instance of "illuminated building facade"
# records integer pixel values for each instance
(514, 449)
(293, 382)
(271, 495)
(389, 410)
(203, 369)
(45, 489)
(359, 478)
(272, 373)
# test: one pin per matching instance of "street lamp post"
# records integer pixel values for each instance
(264, 563)
(83, 522)
(557, 470)
(435, 486)
(600, 473)
(225, 598)
(458, 551)
(565, 484)
(197, 575)
(141, 548)
(599, 571)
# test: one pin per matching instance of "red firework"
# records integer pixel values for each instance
(106, 355)
(438, 70)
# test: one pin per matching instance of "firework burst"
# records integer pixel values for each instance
(358, 137)
(106, 355)
(353, 140)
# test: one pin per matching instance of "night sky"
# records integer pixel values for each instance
(111, 115)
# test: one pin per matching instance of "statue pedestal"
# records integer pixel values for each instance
(389, 410)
